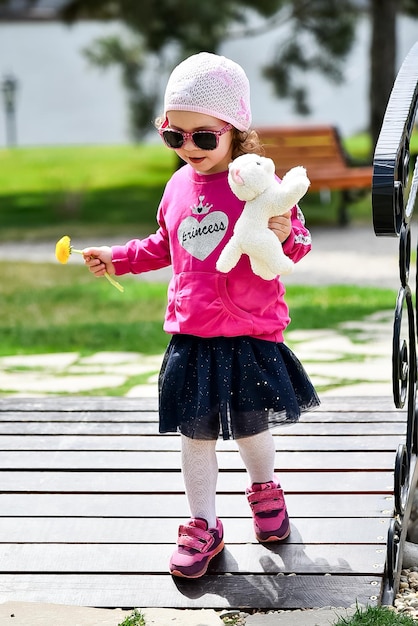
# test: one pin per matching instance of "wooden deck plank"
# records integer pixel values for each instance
(121, 530)
(150, 417)
(215, 591)
(148, 558)
(365, 404)
(302, 428)
(79, 404)
(228, 482)
(132, 460)
(174, 505)
(315, 443)
(82, 416)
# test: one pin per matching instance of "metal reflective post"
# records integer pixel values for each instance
(9, 89)
(394, 194)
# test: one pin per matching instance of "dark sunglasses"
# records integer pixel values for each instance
(203, 139)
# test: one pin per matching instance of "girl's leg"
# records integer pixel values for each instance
(258, 453)
(201, 538)
(200, 473)
(265, 496)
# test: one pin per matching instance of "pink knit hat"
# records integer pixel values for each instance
(210, 84)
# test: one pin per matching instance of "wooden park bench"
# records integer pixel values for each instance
(91, 495)
(320, 150)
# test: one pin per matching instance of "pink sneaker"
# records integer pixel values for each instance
(271, 522)
(196, 546)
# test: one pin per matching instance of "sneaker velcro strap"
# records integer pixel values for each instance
(266, 501)
(196, 538)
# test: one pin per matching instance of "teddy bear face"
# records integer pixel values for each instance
(249, 175)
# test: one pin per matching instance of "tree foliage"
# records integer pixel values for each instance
(321, 34)
(190, 24)
(183, 25)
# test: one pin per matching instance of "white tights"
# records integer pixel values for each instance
(200, 469)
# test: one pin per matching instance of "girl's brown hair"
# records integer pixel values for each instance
(245, 142)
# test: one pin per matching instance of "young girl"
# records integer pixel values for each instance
(226, 370)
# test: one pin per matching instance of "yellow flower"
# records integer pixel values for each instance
(63, 249)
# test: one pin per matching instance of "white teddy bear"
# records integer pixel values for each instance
(251, 178)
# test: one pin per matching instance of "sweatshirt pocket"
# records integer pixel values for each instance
(202, 306)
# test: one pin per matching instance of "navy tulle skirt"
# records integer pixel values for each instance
(230, 386)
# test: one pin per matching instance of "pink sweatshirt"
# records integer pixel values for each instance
(196, 216)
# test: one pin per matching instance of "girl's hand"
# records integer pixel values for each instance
(99, 260)
(281, 225)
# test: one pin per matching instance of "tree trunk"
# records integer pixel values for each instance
(383, 60)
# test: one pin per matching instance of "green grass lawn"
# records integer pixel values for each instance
(81, 189)
(101, 190)
(360, 146)
(55, 308)
(377, 616)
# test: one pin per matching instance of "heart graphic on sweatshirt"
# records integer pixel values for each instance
(200, 238)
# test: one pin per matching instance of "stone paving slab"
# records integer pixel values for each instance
(317, 617)
(174, 617)
(38, 614)
(38, 382)
(51, 360)
(378, 390)
(45, 374)
(34, 614)
(338, 364)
